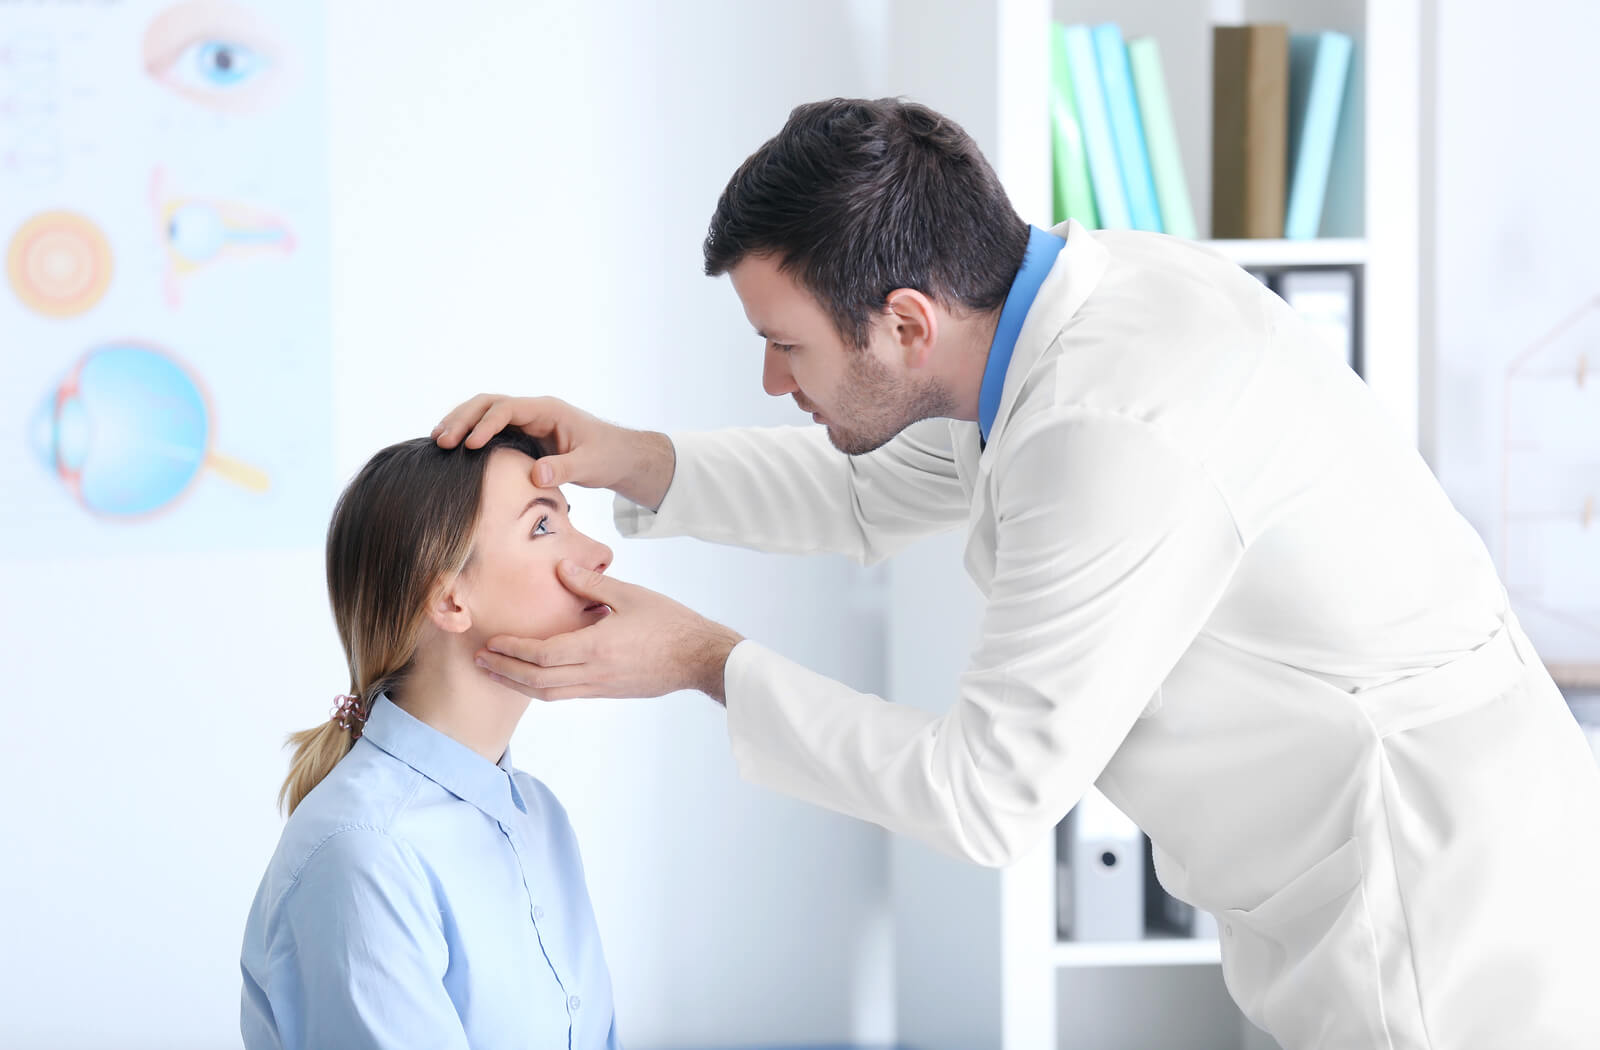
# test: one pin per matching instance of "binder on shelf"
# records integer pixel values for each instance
(1100, 866)
(1249, 129)
(1110, 200)
(1073, 193)
(1161, 138)
(1319, 68)
(1325, 298)
(1127, 129)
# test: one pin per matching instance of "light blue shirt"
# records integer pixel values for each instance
(422, 896)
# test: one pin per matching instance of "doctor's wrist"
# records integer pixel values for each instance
(709, 660)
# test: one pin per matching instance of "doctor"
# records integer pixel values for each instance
(1219, 585)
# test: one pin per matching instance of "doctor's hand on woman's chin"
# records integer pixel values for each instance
(648, 646)
(579, 448)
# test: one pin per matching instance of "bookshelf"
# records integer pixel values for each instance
(978, 965)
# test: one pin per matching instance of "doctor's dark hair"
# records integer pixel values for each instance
(401, 527)
(859, 197)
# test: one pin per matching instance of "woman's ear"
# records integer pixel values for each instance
(447, 609)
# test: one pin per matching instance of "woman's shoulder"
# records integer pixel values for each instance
(367, 794)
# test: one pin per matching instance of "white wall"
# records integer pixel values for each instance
(1510, 219)
(518, 195)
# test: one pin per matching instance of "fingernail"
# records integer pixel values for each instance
(544, 476)
(483, 663)
(570, 568)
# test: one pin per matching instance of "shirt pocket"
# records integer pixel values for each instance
(1302, 964)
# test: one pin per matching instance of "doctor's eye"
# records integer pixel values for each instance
(215, 53)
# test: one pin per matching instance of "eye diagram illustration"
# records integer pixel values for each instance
(128, 431)
(198, 232)
(59, 264)
(217, 54)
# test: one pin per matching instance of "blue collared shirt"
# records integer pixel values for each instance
(1043, 247)
(424, 896)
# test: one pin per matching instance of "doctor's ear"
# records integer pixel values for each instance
(447, 609)
(914, 325)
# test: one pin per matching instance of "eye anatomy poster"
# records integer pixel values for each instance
(164, 333)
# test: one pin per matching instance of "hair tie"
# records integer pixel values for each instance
(349, 713)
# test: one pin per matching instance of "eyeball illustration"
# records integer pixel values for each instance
(128, 430)
(217, 54)
(198, 232)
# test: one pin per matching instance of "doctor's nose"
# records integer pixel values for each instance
(776, 379)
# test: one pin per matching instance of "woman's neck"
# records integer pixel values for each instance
(446, 690)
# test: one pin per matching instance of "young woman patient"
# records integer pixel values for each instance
(426, 893)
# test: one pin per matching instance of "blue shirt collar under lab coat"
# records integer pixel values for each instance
(1043, 247)
(447, 762)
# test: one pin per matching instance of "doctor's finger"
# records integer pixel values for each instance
(461, 418)
(561, 651)
(493, 420)
(531, 678)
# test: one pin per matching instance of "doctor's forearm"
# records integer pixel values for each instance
(649, 464)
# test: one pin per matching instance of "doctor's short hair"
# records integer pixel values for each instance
(858, 197)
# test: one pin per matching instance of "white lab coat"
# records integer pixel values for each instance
(1223, 588)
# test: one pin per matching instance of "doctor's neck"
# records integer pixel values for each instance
(448, 691)
(960, 355)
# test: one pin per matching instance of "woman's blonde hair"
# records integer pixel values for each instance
(402, 526)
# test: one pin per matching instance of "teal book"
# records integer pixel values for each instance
(1319, 70)
(1127, 129)
(1161, 139)
(1110, 199)
(1073, 193)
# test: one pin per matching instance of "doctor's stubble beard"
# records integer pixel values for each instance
(879, 404)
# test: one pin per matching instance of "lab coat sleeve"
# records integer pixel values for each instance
(1112, 548)
(787, 490)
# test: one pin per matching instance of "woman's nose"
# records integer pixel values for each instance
(600, 557)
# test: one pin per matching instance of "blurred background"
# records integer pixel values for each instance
(250, 242)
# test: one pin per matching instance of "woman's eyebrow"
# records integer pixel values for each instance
(544, 501)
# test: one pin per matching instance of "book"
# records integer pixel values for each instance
(1073, 193)
(1344, 205)
(1110, 199)
(1127, 128)
(1319, 65)
(1249, 129)
(1161, 138)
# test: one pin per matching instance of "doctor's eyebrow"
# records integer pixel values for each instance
(545, 501)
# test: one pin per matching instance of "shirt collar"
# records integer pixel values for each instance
(1043, 247)
(449, 763)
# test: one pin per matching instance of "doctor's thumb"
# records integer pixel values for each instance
(586, 583)
(551, 471)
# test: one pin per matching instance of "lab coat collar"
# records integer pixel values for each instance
(1076, 272)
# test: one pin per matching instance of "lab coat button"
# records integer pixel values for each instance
(574, 1003)
(538, 913)
(1227, 930)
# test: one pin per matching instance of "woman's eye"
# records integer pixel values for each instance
(541, 527)
(783, 348)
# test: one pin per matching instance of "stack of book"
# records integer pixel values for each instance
(1115, 149)
(1285, 142)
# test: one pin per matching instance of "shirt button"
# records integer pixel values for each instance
(538, 913)
(1227, 931)
(574, 1003)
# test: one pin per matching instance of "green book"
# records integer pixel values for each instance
(1074, 196)
(1161, 138)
